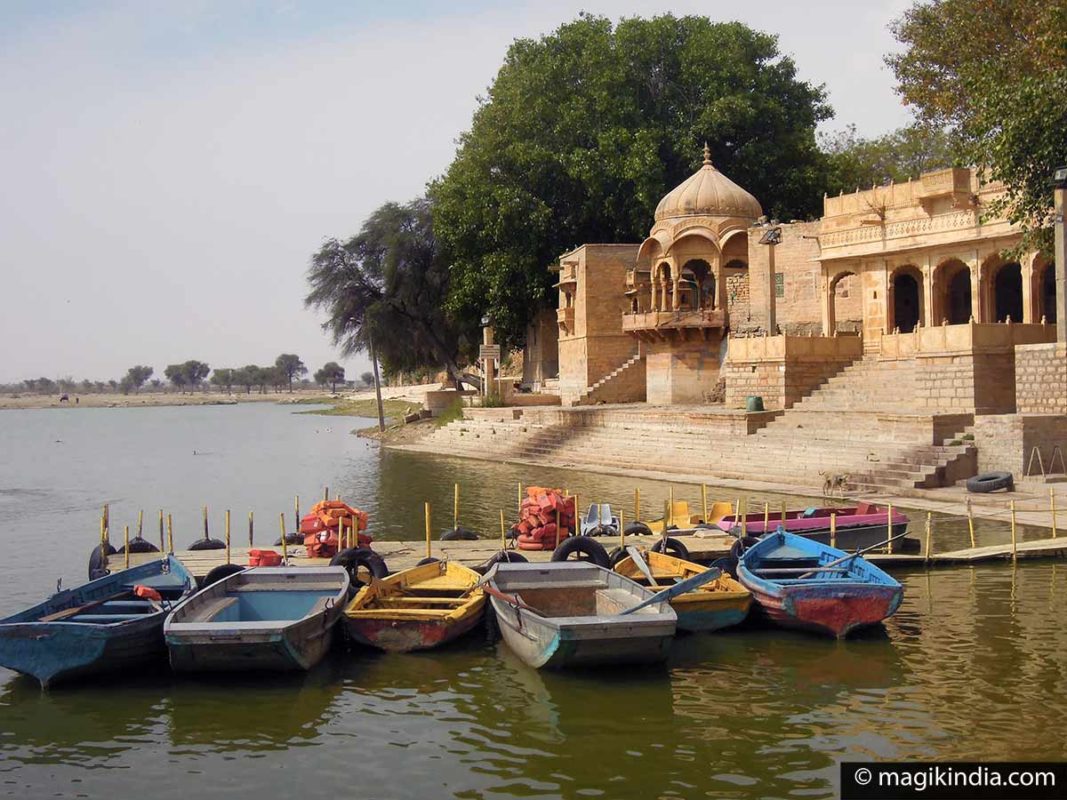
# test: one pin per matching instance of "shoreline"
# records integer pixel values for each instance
(156, 399)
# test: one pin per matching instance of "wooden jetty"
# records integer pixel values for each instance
(401, 555)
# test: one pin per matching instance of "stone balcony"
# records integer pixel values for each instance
(673, 323)
(565, 318)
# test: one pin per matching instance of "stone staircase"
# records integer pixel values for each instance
(866, 385)
(626, 380)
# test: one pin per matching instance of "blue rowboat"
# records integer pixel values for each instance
(800, 583)
(261, 619)
(102, 626)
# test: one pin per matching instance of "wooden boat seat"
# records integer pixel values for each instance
(415, 612)
(513, 587)
(417, 601)
(158, 582)
(128, 606)
(209, 609)
(103, 619)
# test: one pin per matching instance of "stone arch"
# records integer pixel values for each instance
(1006, 292)
(662, 286)
(840, 288)
(1043, 292)
(952, 292)
(700, 274)
(905, 304)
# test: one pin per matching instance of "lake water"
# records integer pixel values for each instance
(974, 666)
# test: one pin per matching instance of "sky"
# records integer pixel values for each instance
(168, 168)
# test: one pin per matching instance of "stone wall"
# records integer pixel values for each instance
(1006, 441)
(982, 383)
(1041, 379)
(799, 310)
(541, 353)
(680, 371)
(625, 385)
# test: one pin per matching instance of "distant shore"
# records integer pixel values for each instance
(119, 400)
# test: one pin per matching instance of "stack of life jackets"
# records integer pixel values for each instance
(537, 526)
(322, 524)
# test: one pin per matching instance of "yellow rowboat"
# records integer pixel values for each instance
(683, 519)
(417, 609)
(717, 604)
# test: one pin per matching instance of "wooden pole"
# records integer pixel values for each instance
(205, 523)
(285, 548)
(744, 518)
(704, 501)
(833, 529)
(577, 517)
(1052, 506)
(455, 506)
(227, 536)
(126, 547)
(766, 517)
(170, 534)
(251, 529)
(637, 504)
(557, 528)
(622, 528)
(670, 511)
(889, 527)
(666, 517)
(103, 541)
(970, 523)
(518, 503)
(377, 385)
(929, 533)
(140, 524)
(296, 510)
(1014, 553)
(783, 513)
(503, 531)
(426, 510)
(325, 494)
(107, 524)
(162, 543)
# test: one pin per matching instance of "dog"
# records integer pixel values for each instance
(834, 482)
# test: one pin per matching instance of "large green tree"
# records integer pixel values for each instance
(584, 130)
(290, 365)
(995, 72)
(388, 283)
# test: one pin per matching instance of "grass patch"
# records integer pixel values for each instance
(394, 409)
(968, 437)
(324, 399)
(493, 401)
(453, 412)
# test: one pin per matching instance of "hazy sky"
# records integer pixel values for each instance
(168, 168)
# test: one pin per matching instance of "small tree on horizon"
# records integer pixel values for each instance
(331, 373)
(367, 378)
(290, 365)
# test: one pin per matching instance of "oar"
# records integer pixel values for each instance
(860, 552)
(688, 585)
(642, 565)
(513, 600)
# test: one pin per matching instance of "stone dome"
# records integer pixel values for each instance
(707, 192)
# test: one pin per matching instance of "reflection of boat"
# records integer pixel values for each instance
(417, 608)
(803, 584)
(568, 613)
(857, 526)
(110, 624)
(264, 618)
(719, 604)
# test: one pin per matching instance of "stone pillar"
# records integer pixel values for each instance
(675, 304)
(1026, 270)
(1060, 252)
(977, 310)
(929, 318)
(490, 364)
(828, 320)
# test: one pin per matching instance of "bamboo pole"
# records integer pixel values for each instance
(205, 523)
(503, 531)
(455, 506)
(622, 529)
(170, 534)
(518, 503)
(325, 493)
(744, 517)
(637, 504)
(1014, 552)
(296, 510)
(670, 510)
(833, 529)
(107, 524)
(103, 541)
(162, 543)
(426, 510)
(557, 528)
(766, 517)
(889, 527)
(140, 524)
(227, 536)
(1052, 507)
(783, 513)
(251, 529)
(285, 547)
(126, 547)
(704, 501)
(929, 533)
(970, 523)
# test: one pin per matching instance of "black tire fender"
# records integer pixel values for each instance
(505, 557)
(207, 544)
(991, 482)
(616, 555)
(672, 547)
(354, 558)
(96, 561)
(459, 534)
(290, 538)
(740, 546)
(138, 545)
(637, 529)
(585, 548)
(220, 572)
(422, 562)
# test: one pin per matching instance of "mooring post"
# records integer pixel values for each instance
(929, 533)
(833, 529)
(325, 494)
(140, 524)
(704, 501)
(518, 503)
(1052, 507)
(889, 527)
(103, 542)
(766, 517)
(970, 523)
(622, 528)
(285, 548)
(170, 534)
(162, 544)
(296, 510)
(503, 532)
(783, 513)
(426, 514)
(205, 523)
(455, 505)
(227, 536)
(126, 547)
(557, 527)
(251, 529)
(744, 518)
(1013, 533)
(670, 512)
(637, 504)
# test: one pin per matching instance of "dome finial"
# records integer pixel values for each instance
(707, 155)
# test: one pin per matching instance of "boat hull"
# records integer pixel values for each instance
(395, 636)
(269, 651)
(834, 612)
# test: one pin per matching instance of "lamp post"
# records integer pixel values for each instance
(1059, 194)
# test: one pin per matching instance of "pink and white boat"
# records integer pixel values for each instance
(858, 526)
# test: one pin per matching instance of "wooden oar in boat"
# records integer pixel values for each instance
(512, 599)
(70, 612)
(859, 552)
(642, 565)
(688, 585)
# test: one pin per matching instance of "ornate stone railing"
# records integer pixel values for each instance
(959, 220)
(783, 348)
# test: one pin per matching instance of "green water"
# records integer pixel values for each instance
(973, 666)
